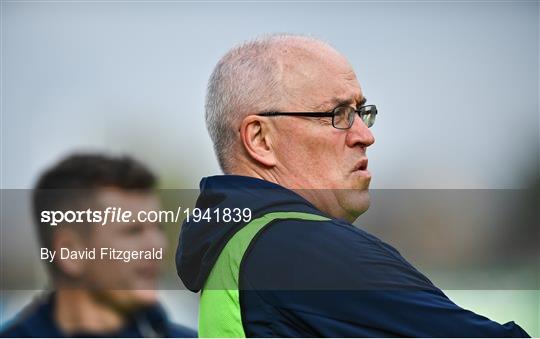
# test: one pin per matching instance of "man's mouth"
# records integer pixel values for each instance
(361, 165)
(148, 271)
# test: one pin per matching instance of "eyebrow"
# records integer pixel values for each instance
(336, 102)
(362, 102)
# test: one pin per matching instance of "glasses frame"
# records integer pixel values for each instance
(332, 114)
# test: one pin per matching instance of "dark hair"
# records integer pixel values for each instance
(89, 171)
(71, 184)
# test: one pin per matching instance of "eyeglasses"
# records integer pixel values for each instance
(342, 116)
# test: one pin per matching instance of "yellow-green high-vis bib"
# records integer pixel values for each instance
(219, 310)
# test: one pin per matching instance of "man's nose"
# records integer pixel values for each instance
(359, 134)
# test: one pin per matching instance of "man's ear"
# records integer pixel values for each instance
(70, 240)
(256, 136)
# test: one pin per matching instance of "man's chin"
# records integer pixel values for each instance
(354, 202)
(145, 297)
(361, 183)
(130, 300)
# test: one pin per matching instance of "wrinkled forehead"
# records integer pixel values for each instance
(319, 76)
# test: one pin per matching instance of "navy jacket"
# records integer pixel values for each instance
(323, 279)
(37, 321)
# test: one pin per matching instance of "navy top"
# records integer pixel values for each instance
(37, 321)
(320, 278)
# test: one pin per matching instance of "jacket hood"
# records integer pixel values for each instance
(201, 242)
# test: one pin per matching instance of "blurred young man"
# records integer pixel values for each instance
(98, 297)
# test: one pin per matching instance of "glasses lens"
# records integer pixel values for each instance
(343, 117)
(368, 114)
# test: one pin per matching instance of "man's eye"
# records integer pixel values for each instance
(135, 229)
(325, 120)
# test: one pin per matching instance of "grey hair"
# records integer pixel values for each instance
(247, 80)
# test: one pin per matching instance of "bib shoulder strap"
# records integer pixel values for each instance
(219, 308)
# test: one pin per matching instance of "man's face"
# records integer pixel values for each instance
(126, 284)
(313, 153)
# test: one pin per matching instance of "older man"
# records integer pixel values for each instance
(290, 126)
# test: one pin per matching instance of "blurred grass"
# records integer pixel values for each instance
(520, 306)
